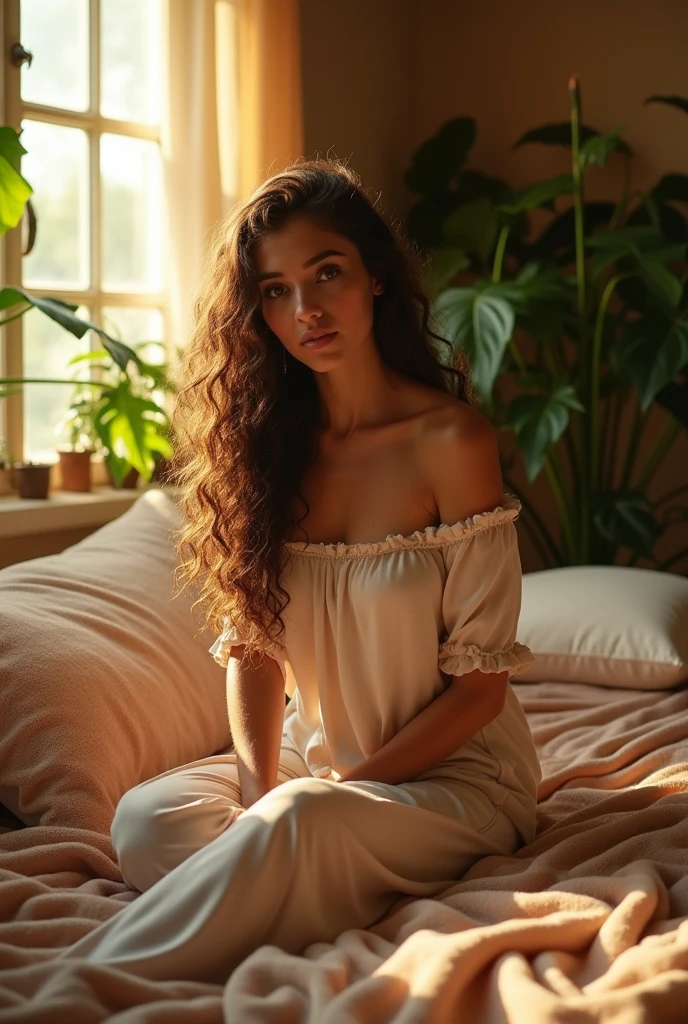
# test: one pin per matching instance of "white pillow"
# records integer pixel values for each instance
(607, 625)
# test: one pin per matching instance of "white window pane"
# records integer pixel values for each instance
(56, 166)
(47, 350)
(132, 214)
(132, 325)
(131, 39)
(56, 33)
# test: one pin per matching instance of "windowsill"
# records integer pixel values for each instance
(63, 510)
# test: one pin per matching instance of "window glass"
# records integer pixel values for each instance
(56, 33)
(130, 56)
(131, 177)
(56, 166)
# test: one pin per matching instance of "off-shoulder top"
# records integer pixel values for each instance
(374, 630)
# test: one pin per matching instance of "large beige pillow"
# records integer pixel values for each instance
(105, 679)
(607, 625)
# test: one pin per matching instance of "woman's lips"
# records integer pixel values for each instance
(320, 342)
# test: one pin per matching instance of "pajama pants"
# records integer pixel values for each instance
(307, 861)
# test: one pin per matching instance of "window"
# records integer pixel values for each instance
(90, 108)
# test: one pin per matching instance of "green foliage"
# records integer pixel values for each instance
(606, 281)
(14, 190)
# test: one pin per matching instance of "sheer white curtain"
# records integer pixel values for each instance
(233, 115)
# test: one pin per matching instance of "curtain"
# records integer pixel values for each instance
(232, 116)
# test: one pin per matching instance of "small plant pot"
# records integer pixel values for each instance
(33, 480)
(75, 469)
(6, 481)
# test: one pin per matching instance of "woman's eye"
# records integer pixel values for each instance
(328, 266)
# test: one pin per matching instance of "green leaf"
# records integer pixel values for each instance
(557, 134)
(539, 422)
(661, 281)
(653, 349)
(14, 189)
(596, 149)
(438, 160)
(540, 194)
(445, 263)
(680, 102)
(480, 322)
(640, 237)
(473, 227)
(63, 314)
(626, 518)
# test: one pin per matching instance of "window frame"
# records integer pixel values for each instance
(15, 110)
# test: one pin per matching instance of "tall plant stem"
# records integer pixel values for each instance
(499, 253)
(594, 409)
(668, 435)
(584, 418)
(537, 518)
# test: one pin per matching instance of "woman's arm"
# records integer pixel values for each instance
(468, 704)
(255, 705)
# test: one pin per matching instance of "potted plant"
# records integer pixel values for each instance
(32, 479)
(569, 331)
(131, 426)
(83, 440)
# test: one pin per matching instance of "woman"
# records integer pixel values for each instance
(404, 755)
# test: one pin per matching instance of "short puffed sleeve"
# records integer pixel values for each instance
(231, 637)
(481, 600)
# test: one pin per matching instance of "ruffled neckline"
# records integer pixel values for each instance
(431, 536)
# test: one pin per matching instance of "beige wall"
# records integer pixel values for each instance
(380, 77)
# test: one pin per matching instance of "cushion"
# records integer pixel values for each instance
(606, 625)
(106, 679)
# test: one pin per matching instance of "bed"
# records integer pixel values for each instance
(587, 923)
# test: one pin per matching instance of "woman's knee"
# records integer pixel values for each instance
(159, 823)
(309, 803)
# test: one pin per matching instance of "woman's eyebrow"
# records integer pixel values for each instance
(308, 263)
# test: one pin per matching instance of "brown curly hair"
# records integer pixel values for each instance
(244, 432)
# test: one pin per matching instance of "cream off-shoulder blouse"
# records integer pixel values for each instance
(371, 628)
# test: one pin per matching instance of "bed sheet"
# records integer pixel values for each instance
(588, 923)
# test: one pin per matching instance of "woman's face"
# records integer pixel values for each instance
(312, 279)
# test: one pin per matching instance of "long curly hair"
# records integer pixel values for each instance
(244, 432)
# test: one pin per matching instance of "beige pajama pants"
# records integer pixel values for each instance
(309, 860)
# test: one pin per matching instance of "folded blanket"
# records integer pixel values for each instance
(587, 923)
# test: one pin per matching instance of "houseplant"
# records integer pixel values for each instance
(82, 439)
(587, 322)
(116, 412)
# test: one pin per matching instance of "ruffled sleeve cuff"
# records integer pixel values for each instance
(223, 645)
(230, 637)
(457, 659)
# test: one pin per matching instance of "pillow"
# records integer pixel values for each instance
(607, 625)
(106, 680)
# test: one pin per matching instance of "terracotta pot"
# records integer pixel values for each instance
(75, 469)
(33, 480)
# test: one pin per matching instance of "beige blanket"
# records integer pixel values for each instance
(588, 923)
